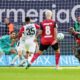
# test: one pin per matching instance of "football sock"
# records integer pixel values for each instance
(14, 59)
(23, 61)
(57, 57)
(35, 56)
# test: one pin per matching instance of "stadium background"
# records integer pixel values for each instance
(37, 6)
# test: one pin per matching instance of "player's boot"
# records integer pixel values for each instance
(58, 67)
(28, 66)
(11, 65)
(20, 65)
(78, 58)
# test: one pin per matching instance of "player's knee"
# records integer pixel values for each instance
(20, 53)
(57, 51)
(39, 52)
(13, 51)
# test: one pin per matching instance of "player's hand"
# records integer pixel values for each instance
(54, 42)
(12, 44)
(13, 51)
(13, 41)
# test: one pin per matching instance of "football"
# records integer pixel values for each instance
(60, 36)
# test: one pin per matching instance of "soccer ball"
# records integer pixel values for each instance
(60, 36)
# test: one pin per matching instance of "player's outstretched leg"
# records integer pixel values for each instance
(28, 65)
(16, 58)
(57, 54)
(23, 62)
(35, 56)
(77, 53)
(57, 58)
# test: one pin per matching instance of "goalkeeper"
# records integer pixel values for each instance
(8, 43)
(76, 35)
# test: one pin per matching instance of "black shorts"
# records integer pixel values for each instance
(45, 47)
(78, 50)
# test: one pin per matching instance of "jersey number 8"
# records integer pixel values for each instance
(47, 30)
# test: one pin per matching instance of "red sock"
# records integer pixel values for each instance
(57, 57)
(36, 55)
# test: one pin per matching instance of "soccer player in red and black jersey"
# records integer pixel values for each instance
(48, 34)
(76, 35)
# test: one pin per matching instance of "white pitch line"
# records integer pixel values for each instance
(54, 67)
(62, 68)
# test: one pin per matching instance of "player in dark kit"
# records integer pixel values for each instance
(76, 35)
(48, 34)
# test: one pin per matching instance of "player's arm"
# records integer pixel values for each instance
(39, 33)
(13, 43)
(77, 32)
(20, 32)
(55, 32)
(72, 31)
(40, 30)
(37, 28)
(3, 39)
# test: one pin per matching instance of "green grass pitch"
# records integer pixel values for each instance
(39, 73)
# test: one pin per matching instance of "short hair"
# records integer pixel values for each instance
(71, 28)
(13, 32)
(48, 13)
(7, 18)
(27, 19)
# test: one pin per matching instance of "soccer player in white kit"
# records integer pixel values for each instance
(27, 39)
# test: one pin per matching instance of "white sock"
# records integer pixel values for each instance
(1, 53)
(23, 61)
(14, 59)
(29, 58)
